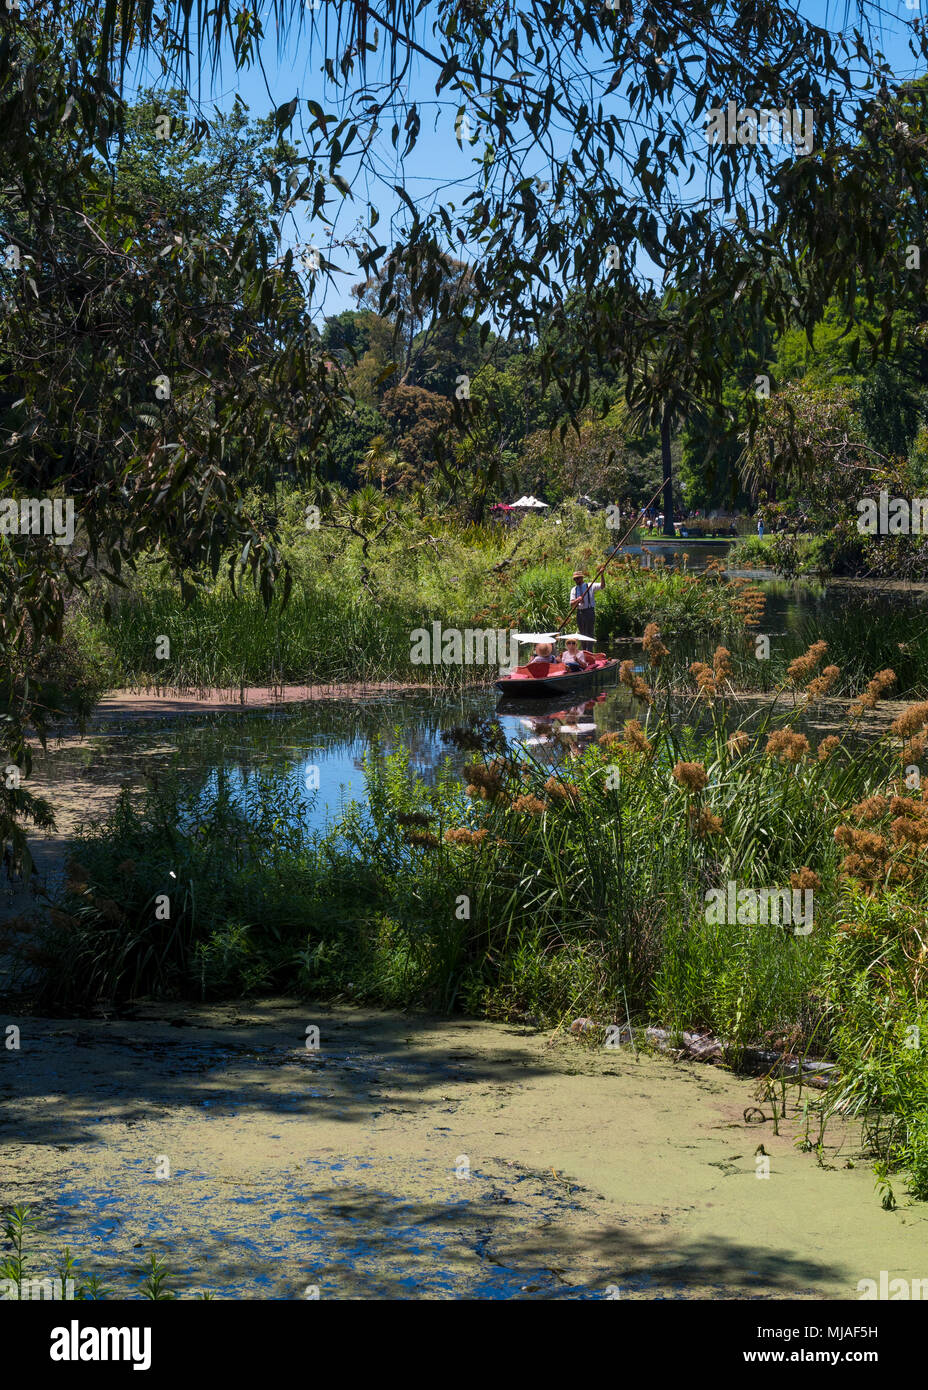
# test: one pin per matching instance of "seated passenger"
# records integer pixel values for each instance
(544, 652)
(574, 657)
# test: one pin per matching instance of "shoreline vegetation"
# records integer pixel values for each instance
(527, 892)
(351, 613)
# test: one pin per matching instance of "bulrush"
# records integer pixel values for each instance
(818, 688)
(485, 781)
(636, 740)
(692, 776)
(750, 603)
(912, 832)
(827, 747)
(913, 749)
(708, 824)
(907, 806)
(705, 679)
(786, 746)
(562, 791)
(721, 662)
(801, 668)
(805, 878)
(910, 721)
(866, 841)
(738, 743)
(882, 682)
(639, 688)
(531, 805)
(871, 809)
(653, 645)
(460, 835)
(868, 857)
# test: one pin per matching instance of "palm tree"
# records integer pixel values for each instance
(383, 462)
(679, 368)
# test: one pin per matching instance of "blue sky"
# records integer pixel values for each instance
(437, 164)
(438, 169)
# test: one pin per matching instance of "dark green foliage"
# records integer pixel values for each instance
(347, 440)
(889, 410)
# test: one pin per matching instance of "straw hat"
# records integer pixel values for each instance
(578, 574)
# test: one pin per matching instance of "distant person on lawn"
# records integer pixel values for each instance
(583, 599)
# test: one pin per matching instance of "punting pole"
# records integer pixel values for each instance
(612, 554)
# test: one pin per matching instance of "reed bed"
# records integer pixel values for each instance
(351, 613)
(545, 889)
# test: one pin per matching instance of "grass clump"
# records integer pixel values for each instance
(359, 591)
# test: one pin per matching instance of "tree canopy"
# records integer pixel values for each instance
(162, 352)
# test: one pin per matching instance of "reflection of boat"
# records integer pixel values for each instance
(562, 723)
(550, 705)
(542, 678)
(539, 741)
(540, 705)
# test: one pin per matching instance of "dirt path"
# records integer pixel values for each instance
(339, 1168)
(149, 704)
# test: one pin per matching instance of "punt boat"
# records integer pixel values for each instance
(544, 679)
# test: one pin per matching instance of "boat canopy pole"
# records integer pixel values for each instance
(612, 554)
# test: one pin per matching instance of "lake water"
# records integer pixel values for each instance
(692, 553)
(318, 749)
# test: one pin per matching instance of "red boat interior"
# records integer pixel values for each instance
(540, 670)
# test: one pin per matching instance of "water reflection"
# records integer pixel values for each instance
(564, 729)
(688, 551)
(318, 749)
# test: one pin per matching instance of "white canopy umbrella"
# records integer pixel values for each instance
(534, 636)
(530, 502)
(574, 637)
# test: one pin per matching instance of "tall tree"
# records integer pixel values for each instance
(590, 158)
(156, 362)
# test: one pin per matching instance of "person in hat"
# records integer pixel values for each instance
(583, 599)
(573, 655)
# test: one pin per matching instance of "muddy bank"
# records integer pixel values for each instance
(155, 703)
(421, 1158)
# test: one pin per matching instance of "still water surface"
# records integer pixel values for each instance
(318, 748)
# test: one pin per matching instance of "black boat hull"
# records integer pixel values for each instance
(570, 683)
